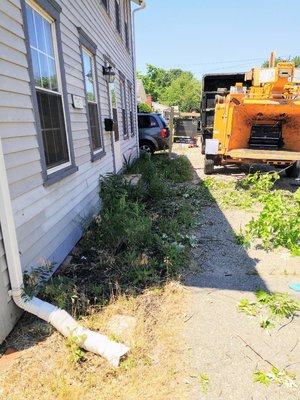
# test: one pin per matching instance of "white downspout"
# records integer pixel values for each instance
(142, 6)
(60, 319)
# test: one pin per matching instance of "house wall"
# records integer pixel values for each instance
(49, 218)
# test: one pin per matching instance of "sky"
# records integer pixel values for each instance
(204, 36)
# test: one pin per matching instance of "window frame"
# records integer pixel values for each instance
(123, 95)
(106, 7)
(50, 10)
(86, 44)
(131, 107)
(118, 20)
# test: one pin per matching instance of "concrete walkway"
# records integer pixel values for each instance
(224, 344)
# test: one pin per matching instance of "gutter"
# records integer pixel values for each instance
(143, 5)
(60, 319)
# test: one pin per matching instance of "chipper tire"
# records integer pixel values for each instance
(208, 165)
(293, 171)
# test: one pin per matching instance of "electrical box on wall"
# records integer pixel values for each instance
(77, 102)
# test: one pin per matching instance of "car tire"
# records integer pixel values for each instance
(208, 165)
(293, 171)
(146, 147)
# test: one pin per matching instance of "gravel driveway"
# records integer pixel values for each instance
(224, 344)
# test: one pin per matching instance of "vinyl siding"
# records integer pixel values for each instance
(49, 219)
(8, 311)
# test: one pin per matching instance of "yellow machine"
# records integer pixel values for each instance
(260, 124)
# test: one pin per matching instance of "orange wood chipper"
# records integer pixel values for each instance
(260, 123)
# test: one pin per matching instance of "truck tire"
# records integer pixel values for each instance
(208, 165)
(293, 171)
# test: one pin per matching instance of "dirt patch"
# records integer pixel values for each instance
(153, 369)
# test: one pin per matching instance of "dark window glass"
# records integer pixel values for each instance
(53, 128)
(131, 122)
(124, 122)
(94, 125)
(124, 106)
(116, 128)
(105, 3)
(126, 35)
(153, 122)
(118, 24)
(147, 121)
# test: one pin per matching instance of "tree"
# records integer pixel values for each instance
(183, 91)
(295, 60)
(172, 87)
(144, 107)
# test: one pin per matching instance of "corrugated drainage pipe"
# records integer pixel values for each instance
(60, 319)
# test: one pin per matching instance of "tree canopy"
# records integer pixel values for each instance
(172, 87)
(295, 59)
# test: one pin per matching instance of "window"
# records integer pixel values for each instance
(105, 4)
(147, 121)
(48, 87)
(126, 24)
(91, 97)
(118, 16)
(123, 103)
(113, 107)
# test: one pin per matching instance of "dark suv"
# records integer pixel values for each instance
(154, 134)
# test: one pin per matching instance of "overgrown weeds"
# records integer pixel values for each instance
(140, 238)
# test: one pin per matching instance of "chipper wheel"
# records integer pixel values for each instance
(293, 171)
(208, 165)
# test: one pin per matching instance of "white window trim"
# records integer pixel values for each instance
(92, 55)
(40, 11)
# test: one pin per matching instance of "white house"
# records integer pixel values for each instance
(67, 70)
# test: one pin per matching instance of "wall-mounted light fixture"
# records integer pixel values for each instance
(109, 73)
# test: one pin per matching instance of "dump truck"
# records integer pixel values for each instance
(212, 86)
(258, 123)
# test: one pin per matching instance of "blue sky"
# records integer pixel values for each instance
(205, 36)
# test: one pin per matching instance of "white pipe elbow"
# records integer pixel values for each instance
(69, 327)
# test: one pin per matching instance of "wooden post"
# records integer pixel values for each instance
(171, 127)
